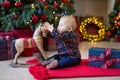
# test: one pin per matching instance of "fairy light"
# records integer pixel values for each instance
(32, 5)
(116, 22)
(28, 22)
(53, 12)
(56, 18)
(61, 4)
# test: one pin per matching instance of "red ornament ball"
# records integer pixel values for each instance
(118, 13)
(118, 24)
(18, 4)
(108, 33)
(56, 4)
(115, 18)
(34, 18)
(15, 17)
(116, 36)
(65, 1)
(43, 17)
(6, 4)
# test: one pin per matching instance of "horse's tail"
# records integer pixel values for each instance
(13, 49)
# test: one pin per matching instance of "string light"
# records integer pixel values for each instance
(56, 18)
(32, 5)
(53, 12)
(92, 37)
(28, 22)
(116, 21)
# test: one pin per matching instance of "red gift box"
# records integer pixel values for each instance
(26, 33)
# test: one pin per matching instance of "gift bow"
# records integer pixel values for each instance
(106, 57)
(107, 60)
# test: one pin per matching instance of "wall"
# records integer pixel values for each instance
(94, 8)
(110, 9)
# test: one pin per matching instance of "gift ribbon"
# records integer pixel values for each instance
(106, 57)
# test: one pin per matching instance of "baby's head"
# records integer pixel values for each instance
(67, 23)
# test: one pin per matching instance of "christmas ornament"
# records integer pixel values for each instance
(118, 24)
(65, 1)
(6, 4)
(65, 14)
(34, 18)
(116, 36)
(115, 12)
(15, 17)
(115, 18)
(118, 32)
(118, 13)
(108, 33)
(43, 2)
(56, 4)
(18, 4)
(43, 17)
(39, 12)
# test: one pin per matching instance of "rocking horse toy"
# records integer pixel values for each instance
(36, 41)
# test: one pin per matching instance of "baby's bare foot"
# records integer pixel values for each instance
(52, 65)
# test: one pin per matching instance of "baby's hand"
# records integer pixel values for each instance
(48, 26)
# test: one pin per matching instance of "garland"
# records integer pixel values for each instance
(92, 37)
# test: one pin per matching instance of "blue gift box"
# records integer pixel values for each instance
(97, 59)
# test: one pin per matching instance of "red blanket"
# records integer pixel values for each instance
(82, 70)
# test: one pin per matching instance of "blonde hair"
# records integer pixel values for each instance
(70, 21)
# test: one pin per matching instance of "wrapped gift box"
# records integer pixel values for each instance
(5, 50)
(5, 45)
(104, 57)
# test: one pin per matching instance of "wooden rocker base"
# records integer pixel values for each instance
(19, 65)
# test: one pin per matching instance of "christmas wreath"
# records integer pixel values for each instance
(100, 32)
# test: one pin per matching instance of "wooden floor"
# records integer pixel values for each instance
(8, 73)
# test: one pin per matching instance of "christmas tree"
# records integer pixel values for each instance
(114, 20)
(20, 13)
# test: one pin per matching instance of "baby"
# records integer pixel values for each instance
(66, 42)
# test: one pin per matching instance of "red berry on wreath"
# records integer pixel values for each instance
(34, 18)
(6, 4)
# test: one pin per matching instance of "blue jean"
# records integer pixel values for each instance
(66, 61)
